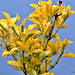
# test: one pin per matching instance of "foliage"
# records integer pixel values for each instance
(25, 45)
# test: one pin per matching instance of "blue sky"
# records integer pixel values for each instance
(23, 9)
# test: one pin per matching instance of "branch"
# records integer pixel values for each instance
(52, 66)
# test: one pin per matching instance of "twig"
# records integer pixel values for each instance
(52, 66)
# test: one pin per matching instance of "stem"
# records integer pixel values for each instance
(50, 33)
(56, 61)
(57, 30)
(4, 38)
(23, 55)
(24, 69)
(46, 64)
(14, 57)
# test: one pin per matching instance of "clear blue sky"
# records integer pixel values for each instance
(22, 7)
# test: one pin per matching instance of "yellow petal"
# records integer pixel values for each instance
(69, 55)
(13, 63)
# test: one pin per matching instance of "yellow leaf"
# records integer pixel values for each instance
(23, 22)
(38, 51)
(50, 2)
(16, 30)
(34, 6)
(66, 43)
(16, 19)
(46, 28)
(31, 27)
(1, 28)
(4, 26)
(38, 63)
(53, 46)
(13, 63)
(0, 43)
(7, 53)
(48, 74)
(41, 3)
(68, 55)
(7, 17)
(49, 59)
(17, 68)
(34, 72)
(64, 26)
(69, 12)
(52, 73)
(48, 53)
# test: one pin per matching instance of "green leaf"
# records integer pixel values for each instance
(36, 18)
(63, 46)
(65, 16)
(38, 25)
(43, 57)
(15, 31)
(56, 10)
(53, 53)
(22, 28)
(28, 37)
(16, 51)
(39, 42)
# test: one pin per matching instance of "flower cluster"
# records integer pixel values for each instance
(25, 45)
